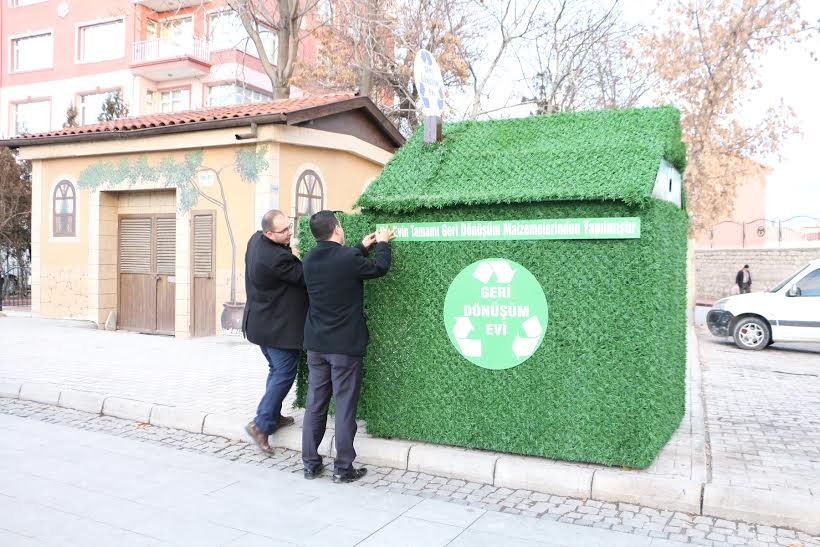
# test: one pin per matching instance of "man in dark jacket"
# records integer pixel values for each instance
(743, 280)
(336, 338)
(274, 318)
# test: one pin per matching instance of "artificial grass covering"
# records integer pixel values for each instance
(598, 155)
(607, 383)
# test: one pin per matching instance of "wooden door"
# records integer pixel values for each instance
(204, 285)
(147, 265)
(137, 282)
(165, 230)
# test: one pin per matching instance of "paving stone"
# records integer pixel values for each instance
(637, 520)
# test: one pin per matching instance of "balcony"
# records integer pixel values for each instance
(171, 58)
(168, 5)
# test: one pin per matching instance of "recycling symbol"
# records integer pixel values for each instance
(495, 313)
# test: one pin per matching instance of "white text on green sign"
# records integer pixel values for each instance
(495, 313)
(500, 230)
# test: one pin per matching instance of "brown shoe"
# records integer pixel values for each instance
(285, 421)
(259, 439)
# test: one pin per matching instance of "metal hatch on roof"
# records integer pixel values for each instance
(668, 184)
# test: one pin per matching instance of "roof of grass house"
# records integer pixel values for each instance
(596, 155)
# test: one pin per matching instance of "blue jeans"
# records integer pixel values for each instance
(282, 365)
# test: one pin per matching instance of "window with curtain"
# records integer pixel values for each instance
(64, 207)
(225, 31)
(32, 117)
(91, 106)
(175, 100)
(310, 197)
(102, 41)
(232, 94)
(32, 52)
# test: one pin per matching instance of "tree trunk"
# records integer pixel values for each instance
(369, 28)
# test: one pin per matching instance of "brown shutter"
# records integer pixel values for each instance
(203, 245)
(135, 245)
(166, 245)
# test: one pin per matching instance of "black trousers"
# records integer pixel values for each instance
(341, 376)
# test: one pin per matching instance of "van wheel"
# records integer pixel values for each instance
(751, 333)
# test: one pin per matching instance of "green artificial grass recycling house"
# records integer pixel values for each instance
(606, 383)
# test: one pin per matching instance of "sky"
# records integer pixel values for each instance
(793, 187)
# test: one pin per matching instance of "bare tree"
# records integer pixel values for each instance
(582, 60)
(371, 44)
(493, 29)
(285, 18)
(718, 46)
(15, 206)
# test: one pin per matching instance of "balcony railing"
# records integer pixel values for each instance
(170, 48)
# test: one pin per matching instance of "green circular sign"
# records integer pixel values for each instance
(495, 313)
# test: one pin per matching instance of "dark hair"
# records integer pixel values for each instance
(322, 225)
(745, 265)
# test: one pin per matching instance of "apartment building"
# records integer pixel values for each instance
(161, 55)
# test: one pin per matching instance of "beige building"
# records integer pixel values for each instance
(142, 222)
(747, 225)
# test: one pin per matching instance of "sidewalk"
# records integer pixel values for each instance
(213, 385)
(157, 495)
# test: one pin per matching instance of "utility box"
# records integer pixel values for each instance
(536, 302)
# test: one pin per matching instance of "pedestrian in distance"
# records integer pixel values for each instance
(336, 338)
(743, 280)
(274, 318)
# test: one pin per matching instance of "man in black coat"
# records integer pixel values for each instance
(274, 318)
(336, 337)
(743, 280)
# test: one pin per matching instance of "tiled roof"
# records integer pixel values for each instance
(281, 106)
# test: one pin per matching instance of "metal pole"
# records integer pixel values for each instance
(743, 230)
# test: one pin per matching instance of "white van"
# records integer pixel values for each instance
(790, 312)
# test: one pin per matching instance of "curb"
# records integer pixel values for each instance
(783, 508)
(775, 508)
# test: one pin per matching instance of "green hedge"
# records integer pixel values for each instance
(606, 384)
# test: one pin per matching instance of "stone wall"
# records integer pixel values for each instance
(715, 269)
(63, 293)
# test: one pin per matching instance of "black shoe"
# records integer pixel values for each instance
(349, 476)
(311, 474)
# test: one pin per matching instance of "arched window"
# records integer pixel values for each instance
(65, 207)
(310, 196)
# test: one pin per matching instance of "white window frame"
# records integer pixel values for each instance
(251, 48)
(12, 39)
(81, 96)
(15, 104)
(208, 15)
(179, 89)
(164, 20)
(78, 42)
(239, 87)
(14, 3)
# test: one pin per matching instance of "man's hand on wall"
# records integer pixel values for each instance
(369, 240)
(384, 235)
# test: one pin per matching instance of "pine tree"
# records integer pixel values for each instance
(113, 107)
(71, 114)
